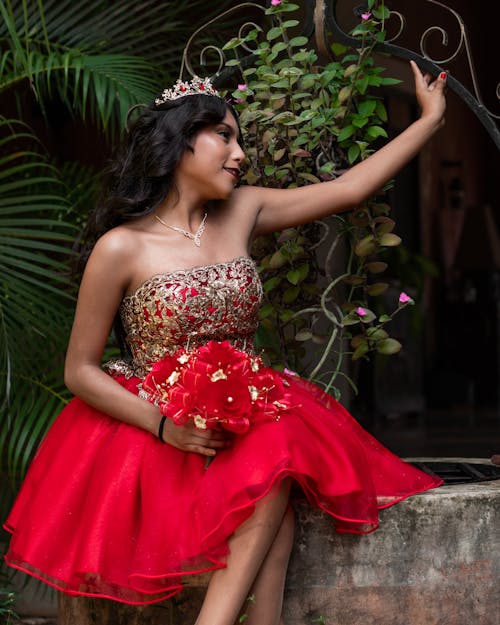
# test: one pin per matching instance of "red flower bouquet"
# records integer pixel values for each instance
(216, 385)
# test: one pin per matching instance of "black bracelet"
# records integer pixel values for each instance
(160, 429)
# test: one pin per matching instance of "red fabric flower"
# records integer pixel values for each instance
(216, 385)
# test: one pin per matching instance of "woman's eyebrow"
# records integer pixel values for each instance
(230, 128)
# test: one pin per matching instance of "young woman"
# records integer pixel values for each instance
(119, 501)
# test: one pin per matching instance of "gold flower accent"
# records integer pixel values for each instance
(200, 422)
(173, 377)
(254, 393)
(218, 375)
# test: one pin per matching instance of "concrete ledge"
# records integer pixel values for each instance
(434, 561)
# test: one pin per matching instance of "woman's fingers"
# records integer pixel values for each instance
(190, 438)
(198, 449)
(430, 93)
(426, 79)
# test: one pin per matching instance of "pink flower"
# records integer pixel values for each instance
(404, 299)
(275, 3)
(361, 311)
(242, 87)
(366, 16)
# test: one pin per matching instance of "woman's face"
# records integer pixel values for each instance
(213, 168)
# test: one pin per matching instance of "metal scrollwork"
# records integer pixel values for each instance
(327, 11)
(186, 62)
(320, 24)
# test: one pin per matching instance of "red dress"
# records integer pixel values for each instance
(107, 510)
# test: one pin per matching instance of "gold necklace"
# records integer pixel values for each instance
(196, 237)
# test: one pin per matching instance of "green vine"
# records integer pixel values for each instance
(305, 123)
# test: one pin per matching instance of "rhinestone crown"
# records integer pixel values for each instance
(197, 86)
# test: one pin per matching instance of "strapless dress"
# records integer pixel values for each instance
(107, 510)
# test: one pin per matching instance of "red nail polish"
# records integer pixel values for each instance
(443, 75)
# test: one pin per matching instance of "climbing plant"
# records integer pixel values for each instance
(305, 123)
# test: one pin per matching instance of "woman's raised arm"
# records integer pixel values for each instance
(283, 208)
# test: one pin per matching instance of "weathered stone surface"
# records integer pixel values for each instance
(434, 561)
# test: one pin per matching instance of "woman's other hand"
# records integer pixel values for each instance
(188, 437)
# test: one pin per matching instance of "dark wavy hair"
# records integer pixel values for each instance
(142, 174)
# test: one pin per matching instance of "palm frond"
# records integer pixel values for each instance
(103, 87)
(29, 414)
(156, 31)
(35, 291)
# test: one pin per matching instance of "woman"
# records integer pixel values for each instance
(119, 501)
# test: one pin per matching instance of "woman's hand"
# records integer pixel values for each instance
(190, 438)
(430, 94)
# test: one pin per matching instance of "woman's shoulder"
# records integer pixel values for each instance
(118, 242)
(244, 199)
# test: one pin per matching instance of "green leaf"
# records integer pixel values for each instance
(381, 111)
(353, 153)
(376, 131)
(359, 122)
(297, 42)
(366, 108)
(389, 240)
(386, 82)
(277, 260)
(235, 42)
(388, 347)
(360, 351)
(303, 55)
(354, 280)
(376, 266)
(362, 83)
(274, 33)
(376, 333)
(266, 310)
(279, 47)
(357, 340)
(291, 294)
(384, 224)
(338, 49)
(368, 317)
(294, 276)
(346, 132)
(309, 177)
(304, 335)
(366, 246)
(377, 288)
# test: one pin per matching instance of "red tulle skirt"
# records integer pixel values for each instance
(107, 510)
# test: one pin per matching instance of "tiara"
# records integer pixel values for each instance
(197, 86)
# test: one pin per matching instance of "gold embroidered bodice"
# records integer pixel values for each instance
(187, 308)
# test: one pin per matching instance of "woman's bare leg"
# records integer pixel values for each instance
(266, 594)
(249, 545)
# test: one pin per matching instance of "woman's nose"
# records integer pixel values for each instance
(238, 154)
